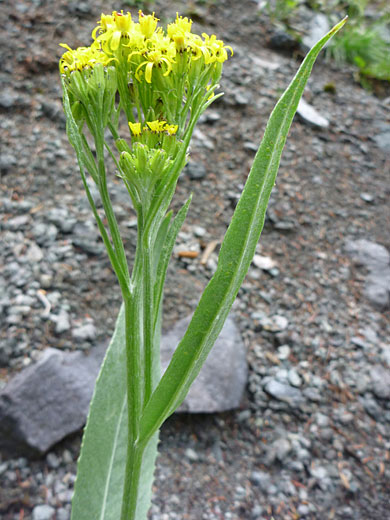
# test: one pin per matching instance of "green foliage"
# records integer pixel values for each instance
(144, 5)
(365, 47)
(365, 42)
(280, 9)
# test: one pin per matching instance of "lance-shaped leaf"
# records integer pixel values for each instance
(235, 256)
(101, 466)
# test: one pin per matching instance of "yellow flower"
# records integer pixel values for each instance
(135, 129)
(153, 59)
(179, 32)
(180, 25)
(78, 59)
(216, 50)
(171, 129)
(156, 126)
(113, 28)
(148, 24)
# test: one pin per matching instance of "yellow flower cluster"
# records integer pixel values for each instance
(161, 81)
(143, 44)
(156, 126)
(82, 57)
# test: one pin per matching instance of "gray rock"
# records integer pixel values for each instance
(43, 512)
(195, 170)
(53, 461)
(380, 381)
(8, 99)
(261, 479)
(62, 514)
(367, 197)
(7, 162)
(61, 219)
(44, 233)
(241, 98)
(221, 382)
(313, 394)
(284, 352)
(383, 140)
(371, 255)
(319, 26)
(372, 407)
(34, 253)
(275, 323)
(62, 322)
(294, 378)
(377, 287)
(284, 41)
(283, 392)
(16, 223)
(86, 332)
(385, 354)
(310, 115)
(191, 455)
(376, 259)
(48, 400)
(88, 245)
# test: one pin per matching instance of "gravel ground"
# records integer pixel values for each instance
(312, 439)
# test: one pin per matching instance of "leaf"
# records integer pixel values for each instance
(101, 466)
(166, 251)
(235, 256)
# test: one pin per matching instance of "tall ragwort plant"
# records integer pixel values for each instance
(135, 95)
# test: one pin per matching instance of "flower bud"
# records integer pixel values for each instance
(126, 163)
(157, 163)
(122, 146)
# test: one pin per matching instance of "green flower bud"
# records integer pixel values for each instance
(122, 146)
(78, 112)
(141, 159)
(157, 163)
(127, 165)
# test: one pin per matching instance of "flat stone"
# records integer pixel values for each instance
(319, 26)
(221, 383)
(275, 323)
(266, 64)
(310, 115)
(62, 322)
(283, 392)
(380, 381)
(261, 479)
(376, 259)
(195, 170)
(48, 400)
(264, 262)
(383, 140)
(369, 254)
(43, 512)
(377, 288)
(294, 378)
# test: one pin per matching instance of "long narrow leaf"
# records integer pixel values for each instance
(101, 468)
(235, 256)
(166, 251)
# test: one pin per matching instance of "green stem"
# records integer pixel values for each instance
(132, 479)
(134, 359)
(148, 318)
(108, 209)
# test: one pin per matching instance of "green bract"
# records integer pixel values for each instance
(146, 88)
